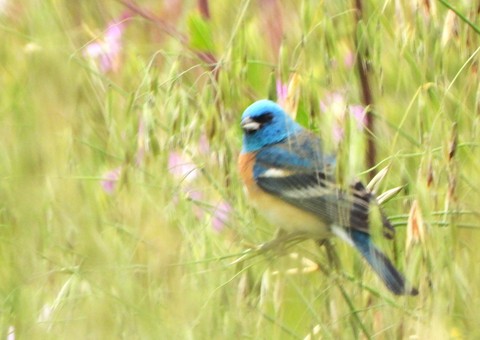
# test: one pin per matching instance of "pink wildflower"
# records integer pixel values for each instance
(359, 114)
(106, 50)
(221, 215)
(181, 166)
(196, 196)
(334, 102)
(110, 179)
(282, 93)
(335, 105)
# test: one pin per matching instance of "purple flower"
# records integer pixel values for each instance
(182, 166)
(335, 106)
(288, 94)
(359, 113)
(334, 102)
(282, 93)
(110, 179)
(195, 196)
(106, 50)
(221, 215)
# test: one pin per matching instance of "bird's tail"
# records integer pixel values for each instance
(381, 264)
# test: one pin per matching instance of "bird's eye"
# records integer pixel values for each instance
(264, 118)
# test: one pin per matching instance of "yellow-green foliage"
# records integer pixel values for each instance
(141, 257)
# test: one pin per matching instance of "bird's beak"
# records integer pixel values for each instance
(249, 125)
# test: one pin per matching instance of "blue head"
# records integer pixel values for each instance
(265, 123)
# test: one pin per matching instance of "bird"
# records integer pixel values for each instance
(291, 182)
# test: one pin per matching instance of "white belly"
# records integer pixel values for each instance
(288, 217)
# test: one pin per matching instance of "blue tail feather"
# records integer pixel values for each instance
(381, 264)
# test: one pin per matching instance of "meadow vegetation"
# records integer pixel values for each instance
(121, 211)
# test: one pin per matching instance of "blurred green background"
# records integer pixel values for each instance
(121, 211)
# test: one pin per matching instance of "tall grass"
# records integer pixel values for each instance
(121, 211)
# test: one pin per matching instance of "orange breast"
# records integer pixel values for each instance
(246, 162)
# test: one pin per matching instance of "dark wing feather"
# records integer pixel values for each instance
(311, 192)
(308, 182)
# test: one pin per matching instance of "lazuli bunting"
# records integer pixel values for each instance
(291, 182)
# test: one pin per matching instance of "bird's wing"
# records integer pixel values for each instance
(297, 172)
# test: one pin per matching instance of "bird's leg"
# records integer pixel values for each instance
(328, 248)
(331, 254)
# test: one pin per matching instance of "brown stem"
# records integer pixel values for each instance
(367, 97)
(164, 26)
(204, 9)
